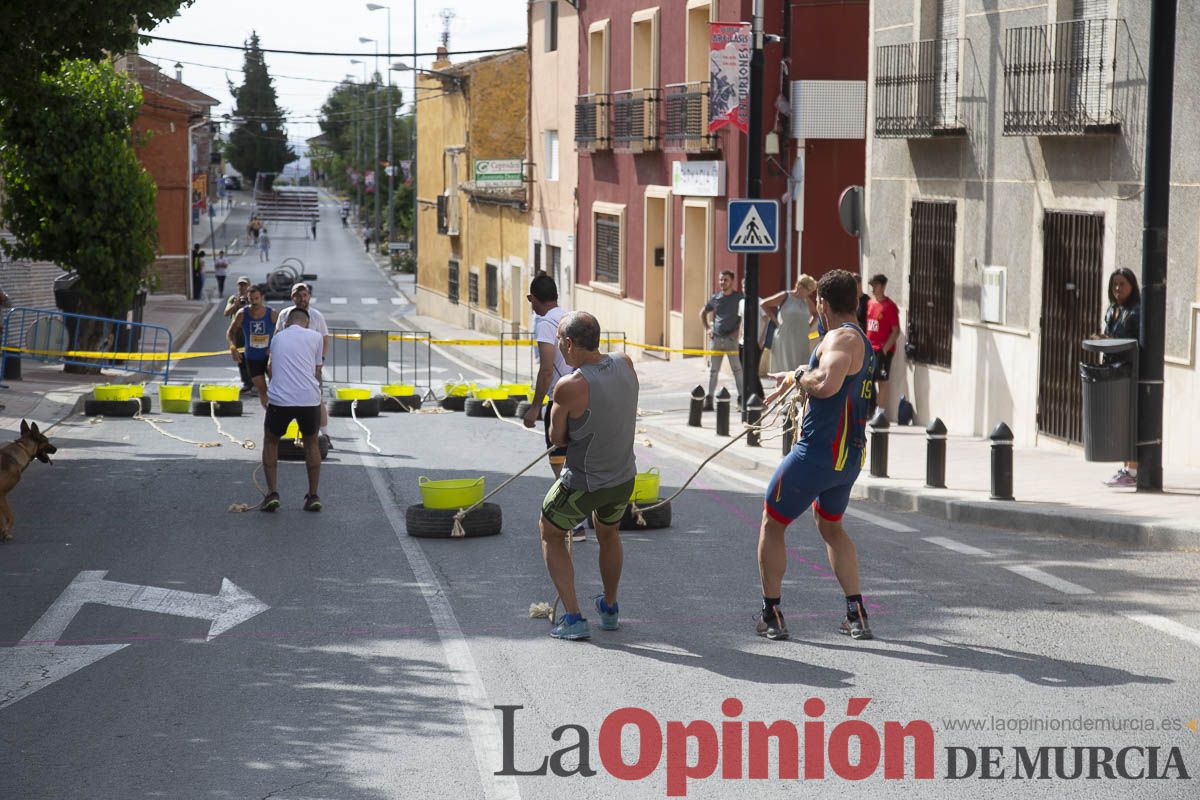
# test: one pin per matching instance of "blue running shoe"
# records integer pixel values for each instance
(608, 616)
(571, 629)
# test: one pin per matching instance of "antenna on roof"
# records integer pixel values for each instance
(446, 14)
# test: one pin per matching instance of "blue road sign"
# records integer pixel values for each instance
(753, 226)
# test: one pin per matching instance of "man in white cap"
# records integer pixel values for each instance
(302, 299)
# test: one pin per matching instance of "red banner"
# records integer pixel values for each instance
(729, 75)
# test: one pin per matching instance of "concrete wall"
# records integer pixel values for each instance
(1002, 186)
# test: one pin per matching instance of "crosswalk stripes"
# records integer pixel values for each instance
(370, 301)
(366, 301)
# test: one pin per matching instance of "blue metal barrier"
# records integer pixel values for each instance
(53, 336)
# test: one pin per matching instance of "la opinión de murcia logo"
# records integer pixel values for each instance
(852, 749)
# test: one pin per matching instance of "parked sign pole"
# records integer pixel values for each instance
(751, 384)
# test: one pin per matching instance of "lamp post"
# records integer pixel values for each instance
(359, 137)
(375, 117)
(391, 164)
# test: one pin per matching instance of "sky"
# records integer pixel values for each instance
(303, 82)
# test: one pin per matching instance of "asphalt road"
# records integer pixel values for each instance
(374, 662)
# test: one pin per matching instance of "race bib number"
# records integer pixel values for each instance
(259, 341)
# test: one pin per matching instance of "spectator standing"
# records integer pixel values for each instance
(345, 215)
(314, 230)
(264, 245)
(883, 329)
(795, 313)
(235, 304)
(257, 322)
(197, 271)
(368, 235)
(1123, 321)
(295, 394)
(221, 267)
(723, 336)
(302, 300)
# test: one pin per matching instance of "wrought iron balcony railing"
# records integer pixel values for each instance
(635, 120)
(917, 89)
(591, 122)
(686, 121)
(1059, 79)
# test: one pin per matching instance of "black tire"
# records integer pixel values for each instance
(145, 401)
(523, 408)
(112, 408)
(401, 403)
(290, 450)
(655, 518)
(224, 408)
(437, 523)
(476, 408)
(454, 403)
(366, 408)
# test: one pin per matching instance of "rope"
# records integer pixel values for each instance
(243, 507)
(457, 530)
(138, 416)
(212, 412)
(354, 416)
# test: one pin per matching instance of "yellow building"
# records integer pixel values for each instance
(472, 145)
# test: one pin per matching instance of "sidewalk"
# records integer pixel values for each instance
(47, 395)
(1056, 491)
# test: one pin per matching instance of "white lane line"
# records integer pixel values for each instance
(1046, 579)
(337, 301)
(957, 547)
(481, 721)
(875, 519)
(1168, 626)
(370, 301)
(397, 301)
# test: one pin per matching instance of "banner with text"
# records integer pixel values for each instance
(729, 75)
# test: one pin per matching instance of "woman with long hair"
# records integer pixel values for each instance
(1122, 321)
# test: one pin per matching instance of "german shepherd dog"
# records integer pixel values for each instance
(14, 458)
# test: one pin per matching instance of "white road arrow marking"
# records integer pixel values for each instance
(25, 669)
(230, 607)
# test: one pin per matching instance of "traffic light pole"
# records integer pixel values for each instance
(754, 158)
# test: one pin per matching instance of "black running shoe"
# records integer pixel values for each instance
(772, 627)
(270, 502)
(856, 628)
(312, 502)
(324, 439)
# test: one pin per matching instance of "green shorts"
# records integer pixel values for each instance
(565, 508)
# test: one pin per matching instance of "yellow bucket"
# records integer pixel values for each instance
(293, 430)
(219, 394)
(118, 391)
(399, 389)
(521, 390)
(179, 392)
(458, 389)
(645, 486)
(353, 393)
(491, 394)
(457, 493)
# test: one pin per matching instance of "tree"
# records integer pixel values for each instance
(43, 35)
(75, 193)
(260, 143)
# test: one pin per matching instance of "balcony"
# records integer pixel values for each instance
(591, 122)
(686, 124)
(1059, 79)
(917, 90)
(635, 120)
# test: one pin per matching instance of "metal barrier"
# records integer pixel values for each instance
(379, 357)
(52, 336)
(511, 363)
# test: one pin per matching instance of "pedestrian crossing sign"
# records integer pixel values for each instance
(753, 226)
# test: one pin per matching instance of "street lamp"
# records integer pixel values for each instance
(390, 162)
(359, 138)
(375, 117)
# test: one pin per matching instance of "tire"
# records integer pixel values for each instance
(224, 408)
(145, 401)
(437, 523)
(366, 408)
(111, 408)
(289, 450)
(476, 408)
(522, 408)
(454, 403)
(401, 404)
(655, 519)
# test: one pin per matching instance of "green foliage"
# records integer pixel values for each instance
(39, 36)
(260, 144)
(75, 193)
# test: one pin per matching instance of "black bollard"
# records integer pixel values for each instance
(754, 408)
(1002, 462)
(723, 412)
(879, 444)
(696, 409)
(935, 455)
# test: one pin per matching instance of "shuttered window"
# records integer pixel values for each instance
(947, 66)
(931, 283)
(493, 286)
(551, 170)
(608, 248)
(452, 282)
(473, 288)
(551, 25)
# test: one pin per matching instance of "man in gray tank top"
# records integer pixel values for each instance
(595, 418)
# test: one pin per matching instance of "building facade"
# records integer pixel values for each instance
(1005, 178)
(474, 231)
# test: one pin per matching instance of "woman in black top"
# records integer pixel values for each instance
(1122, 321)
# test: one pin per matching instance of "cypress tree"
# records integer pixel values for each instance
(260, 143)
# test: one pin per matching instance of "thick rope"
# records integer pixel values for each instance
(354, 416)
(242, 507)
(138, 416)
(212, 413)
(457, 530)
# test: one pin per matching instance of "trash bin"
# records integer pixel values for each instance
(1110, 401)
(67, 295)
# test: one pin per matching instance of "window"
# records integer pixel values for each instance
(699, 14)
(931, 283)
(597, 56)
(452, 282)
(644, 50)
(551, 25)
(551, 170)
(473, 288)
(554, 261)
(608, 249)
(493, 286)
(537, 257)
